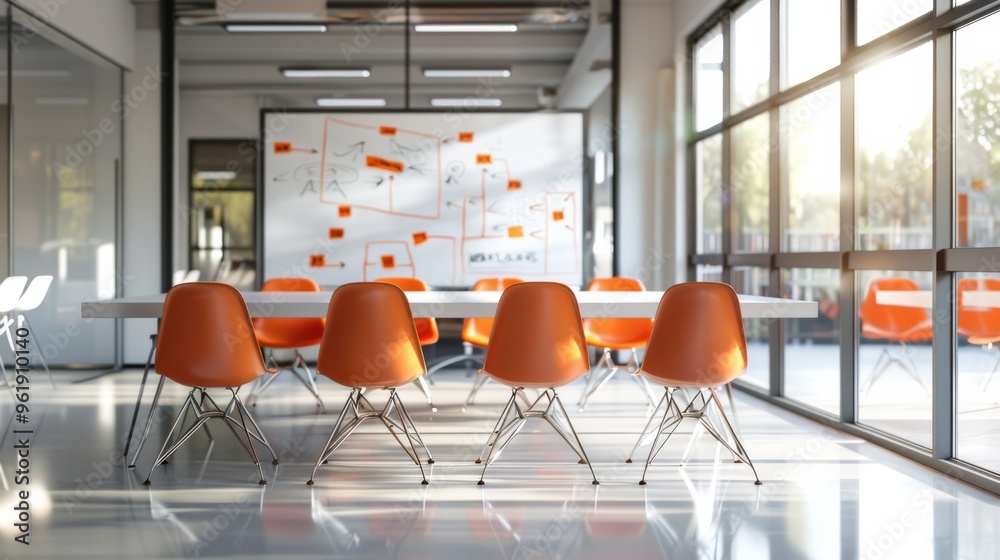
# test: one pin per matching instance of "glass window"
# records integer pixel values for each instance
(977, 138)
(751, 54)
(754, 281)
(811, 35)
(894, 144)
(878, 17)
(894, 353)
(751, 155)
(977, 370)
(812, 346)
(709, 185)
(708, 273)
(811, 127)
(66, 141)
(223, 217)
(708, 80)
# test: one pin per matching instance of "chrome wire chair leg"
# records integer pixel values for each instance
(422, 383)
(480, 381)
(877, 371)
(506, 430)
(339, 432)
(149, 422)
(672, 417)
(502, 425)
(600, 374)
(413, 440)
(309, 380)
(263, 382)
(646, 431)
(160, 457)
(138, 400)
(467, 355)
(256, 433)
(246, 429)
(360, 409)
(739, 450)
(732, 406)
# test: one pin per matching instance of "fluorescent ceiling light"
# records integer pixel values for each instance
(465, 102)
(276, 28)
(350, 102)
(465, 28)
(61, 100)
(216, 175)
(466, 73)
(326, 72)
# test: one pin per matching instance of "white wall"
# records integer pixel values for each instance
(645, 249)
(141, 251)
(106, 26)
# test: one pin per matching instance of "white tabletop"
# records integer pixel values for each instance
(447, 304)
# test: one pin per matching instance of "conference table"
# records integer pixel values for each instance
(449, 304)
(438, 304)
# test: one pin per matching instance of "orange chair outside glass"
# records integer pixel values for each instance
(476, 333)
(895, 323)
(289, 334)
(537, 341)
(980, 325)
(370, 342)
(206, 341)
(696, 346)
(615, 334)
(427, 329)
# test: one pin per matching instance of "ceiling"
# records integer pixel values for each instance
(559, 56)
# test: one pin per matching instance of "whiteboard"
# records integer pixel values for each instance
(445, 197)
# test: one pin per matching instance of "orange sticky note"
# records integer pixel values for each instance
(515, 231)
(513, 184)
(388, 261)
(483, 159)
(344, 211)
(336, 233)
(282, 147)
(557, 215)
(419, 237)
(387, 130)
(382, 163)
(317, 260)
(465, 136)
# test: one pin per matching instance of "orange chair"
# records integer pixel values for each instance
(289, 334)
(427, 329)
(615, 334)
(370, 342)
(476, 333)
(536, 342)
(981, 325)
(697, 344)
(206, 341)
(896, 323)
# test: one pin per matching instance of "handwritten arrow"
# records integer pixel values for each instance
(378, 181)
(418, 169)
(537, 207)
(535, 234)
(282, 177)
(451, 204)
(356, 148)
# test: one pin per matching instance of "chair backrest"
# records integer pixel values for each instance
(978, 322)
(893, 321)
(370, 339)
(206, 338)
(10, 292)
(427, 328)
(35, 294)
(537, 336)
(697, 338)
(476, 330)
(288, 332)
(616, 333)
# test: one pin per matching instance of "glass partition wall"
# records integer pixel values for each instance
(62, 131)
(847, 152)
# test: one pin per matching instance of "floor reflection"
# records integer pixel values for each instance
(825, 494)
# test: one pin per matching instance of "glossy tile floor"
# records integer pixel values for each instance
(825, 494)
